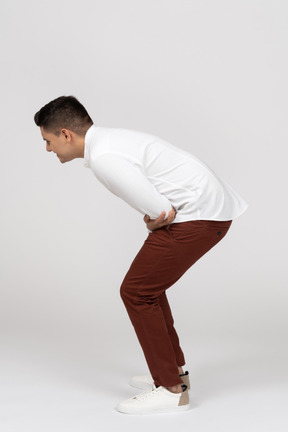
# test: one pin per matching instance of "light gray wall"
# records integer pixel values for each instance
(209, 76)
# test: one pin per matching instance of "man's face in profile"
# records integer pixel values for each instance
(60, 145)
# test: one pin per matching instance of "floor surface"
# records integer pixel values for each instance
(64, 389)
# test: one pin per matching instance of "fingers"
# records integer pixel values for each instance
(161, 218)
(161, 221)
(171, 216)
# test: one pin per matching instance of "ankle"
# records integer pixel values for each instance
(175, 389)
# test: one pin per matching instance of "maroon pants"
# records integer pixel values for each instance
(163, 259)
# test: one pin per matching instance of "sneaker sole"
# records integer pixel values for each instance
(156, 411)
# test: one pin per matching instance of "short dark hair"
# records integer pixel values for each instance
(64, 112)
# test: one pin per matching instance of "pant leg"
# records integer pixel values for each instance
(141, 289)
(179, 355)
(165, 256)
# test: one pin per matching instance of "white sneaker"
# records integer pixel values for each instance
(146, 382)
(157, 400)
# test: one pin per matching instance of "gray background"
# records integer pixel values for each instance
(209, 76)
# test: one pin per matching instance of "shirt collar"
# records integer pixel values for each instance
(87, 145)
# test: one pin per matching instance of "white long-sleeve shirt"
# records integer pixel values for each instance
(152, 175)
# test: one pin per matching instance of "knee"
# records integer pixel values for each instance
(131, 295)
(125, 293)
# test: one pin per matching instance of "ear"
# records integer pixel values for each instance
(67, 134)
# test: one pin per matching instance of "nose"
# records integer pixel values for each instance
(47, 148)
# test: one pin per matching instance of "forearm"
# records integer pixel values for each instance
(128, 183)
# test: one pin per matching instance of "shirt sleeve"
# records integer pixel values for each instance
(126, 180)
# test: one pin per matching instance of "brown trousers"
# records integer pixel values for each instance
(165, 256)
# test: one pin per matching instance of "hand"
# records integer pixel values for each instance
(160, 222)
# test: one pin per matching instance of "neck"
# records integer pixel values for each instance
(79, 145)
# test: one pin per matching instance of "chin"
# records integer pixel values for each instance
(61, 160)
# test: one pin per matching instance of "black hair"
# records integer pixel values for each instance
(64, 112)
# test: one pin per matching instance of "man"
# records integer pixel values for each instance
(187, 210)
